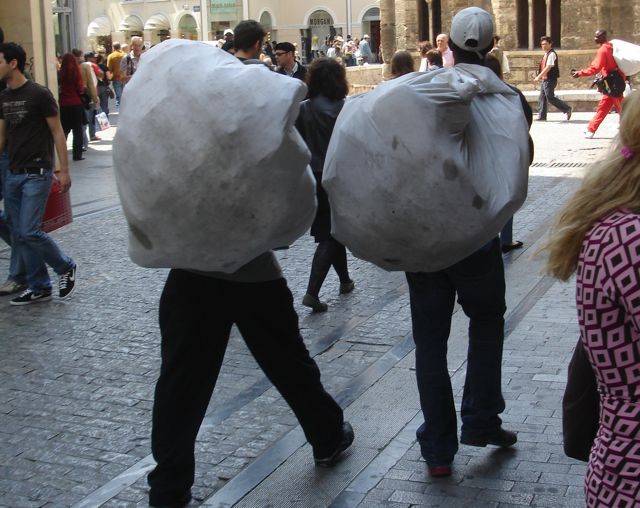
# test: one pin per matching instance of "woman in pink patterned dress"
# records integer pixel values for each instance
(597, 236)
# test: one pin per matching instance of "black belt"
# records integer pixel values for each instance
(30, 171)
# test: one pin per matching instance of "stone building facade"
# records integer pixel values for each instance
(520, 24)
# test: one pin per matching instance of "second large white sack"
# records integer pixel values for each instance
(427, 168)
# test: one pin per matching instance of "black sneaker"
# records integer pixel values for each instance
(67, 282)
(30, 296)
(498, 437)
(345, 442)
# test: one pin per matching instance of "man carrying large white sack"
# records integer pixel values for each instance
(444, 166)
(479, 283)
(211, 232)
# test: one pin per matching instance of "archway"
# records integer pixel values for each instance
(371, 26)
(188, 28)
(158, 26)
(131, 26)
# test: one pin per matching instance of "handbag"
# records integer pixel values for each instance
(580, 406)
(57, 213)
(86, 100)
(612, 84)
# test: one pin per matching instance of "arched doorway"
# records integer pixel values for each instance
(158, 28)
(371, 26)
(267, 22)
(320, 31)
(99, 34)
(188, 28)
(131, 26)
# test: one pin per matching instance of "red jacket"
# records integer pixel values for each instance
(70, 92)
(603, 63)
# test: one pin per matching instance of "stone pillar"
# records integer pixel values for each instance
(548, 20)
(387, 34)
(531, 15)
(504, 12)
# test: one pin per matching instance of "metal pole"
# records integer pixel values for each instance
(348, 18)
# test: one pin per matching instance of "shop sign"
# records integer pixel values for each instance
(225, 10)
(320, 18)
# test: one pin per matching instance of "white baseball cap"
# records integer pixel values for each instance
(365, 36)
(472, 30)
(228, 31)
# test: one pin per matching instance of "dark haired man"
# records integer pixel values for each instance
(602, 64)
(16, 281)
(478, 281)
(286, 61)
(548, 74)
(197, 311)
(30, 127)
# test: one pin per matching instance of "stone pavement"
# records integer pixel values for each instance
(77, 377)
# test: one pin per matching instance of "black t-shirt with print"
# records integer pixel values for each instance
(28, 137)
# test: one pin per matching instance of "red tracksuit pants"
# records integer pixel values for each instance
(606, 103)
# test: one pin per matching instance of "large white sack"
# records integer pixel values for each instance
(210, 168)
(427, 168)
(627, 56)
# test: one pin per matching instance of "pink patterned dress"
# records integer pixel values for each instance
(608, 302)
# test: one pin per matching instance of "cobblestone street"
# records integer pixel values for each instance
(77, 376)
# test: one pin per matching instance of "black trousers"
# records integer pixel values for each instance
(196, 316)
(71, 119)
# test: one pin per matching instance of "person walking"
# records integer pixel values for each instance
(113, 65)
(478, 281)
(595, 237)
(71, 109)
(17, 279)
(30, 127)
(104, 91)
(197, 311)
(602, 64)
(365, 50)
(328, 88)
(548, 74)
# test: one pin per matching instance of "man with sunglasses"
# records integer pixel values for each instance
(286, 61)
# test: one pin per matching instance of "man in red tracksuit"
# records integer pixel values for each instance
(603, 63)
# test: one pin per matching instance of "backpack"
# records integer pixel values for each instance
(612, 84)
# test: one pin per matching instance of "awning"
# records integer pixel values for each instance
(131, 24)
(157, 22)
(99, 26)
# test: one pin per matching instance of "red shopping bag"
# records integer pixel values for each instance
(58, 210)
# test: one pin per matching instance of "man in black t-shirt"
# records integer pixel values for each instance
(29, 128)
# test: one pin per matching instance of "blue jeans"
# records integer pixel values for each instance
(479, 282)
(16, 266)
(103, 95)
(117, 89)
(26, 198)
(91, 120)
(506, 235)
(547, 95)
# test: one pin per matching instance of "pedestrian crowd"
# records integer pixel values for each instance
(595, 237)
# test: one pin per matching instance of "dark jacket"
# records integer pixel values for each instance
(301, 72)
(315, 123)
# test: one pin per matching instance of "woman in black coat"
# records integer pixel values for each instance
(328, 88)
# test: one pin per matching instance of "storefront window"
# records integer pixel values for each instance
(62, 25)
(224, 14)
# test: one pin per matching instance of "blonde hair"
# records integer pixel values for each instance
(611, 183)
